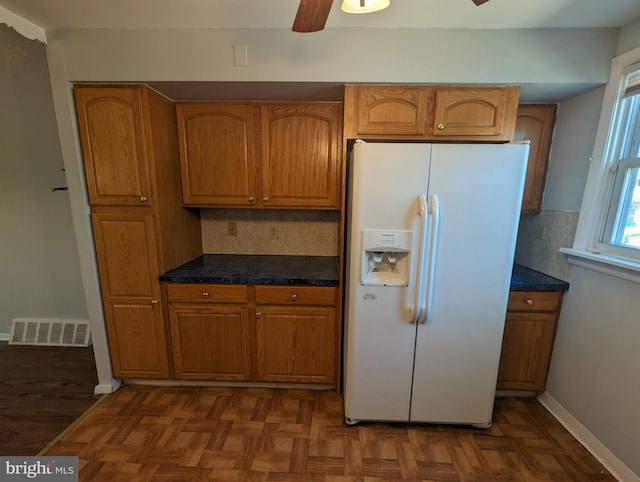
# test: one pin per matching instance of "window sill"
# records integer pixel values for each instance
(618, 267)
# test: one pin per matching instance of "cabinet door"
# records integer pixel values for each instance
(126, 254)
(391, 110)
(535, 123)
(110, 123)
(217, 154)
(137, 342)
(295, 344)
(127, 265)
(526, 351)
(301, 155)
(210, 342)
(475, 113)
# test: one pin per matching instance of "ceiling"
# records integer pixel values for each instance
(497, 14)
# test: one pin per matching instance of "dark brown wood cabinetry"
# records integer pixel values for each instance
(535, 123)
(261, 155)
(527, 343)
(209, 331)
(287, 335)
(430, 113)
(295, 332)
(129, 145)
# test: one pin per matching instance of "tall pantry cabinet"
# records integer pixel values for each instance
(129, 145)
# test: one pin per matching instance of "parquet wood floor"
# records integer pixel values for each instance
(142, 433)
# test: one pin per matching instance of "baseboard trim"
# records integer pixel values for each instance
(612, 463)
(106, 388)
(5, 336)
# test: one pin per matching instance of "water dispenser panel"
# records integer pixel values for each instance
(386, 257)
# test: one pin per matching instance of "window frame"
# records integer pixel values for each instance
(588, 249)
(612, 222)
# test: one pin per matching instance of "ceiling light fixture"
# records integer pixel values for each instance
(363, 6)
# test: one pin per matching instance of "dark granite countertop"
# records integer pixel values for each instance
(524, 278)
(307, 270)
(257, 269)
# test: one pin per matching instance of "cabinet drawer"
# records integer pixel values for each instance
(207, 293)
(533, 301)
(295, 295)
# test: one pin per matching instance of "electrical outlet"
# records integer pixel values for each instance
(540, 229)
(274, 232)
(232, 228)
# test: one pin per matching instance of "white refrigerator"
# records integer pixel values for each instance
(431, 234)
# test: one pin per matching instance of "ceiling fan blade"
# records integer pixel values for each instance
(312, 15)
(479, 2)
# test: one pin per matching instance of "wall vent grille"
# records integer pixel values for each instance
(44, 332)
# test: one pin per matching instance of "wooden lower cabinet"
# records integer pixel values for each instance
(127, 261)
(295, 344)
(529, 333)
(137, 343)
(210, 342)
(253, 333)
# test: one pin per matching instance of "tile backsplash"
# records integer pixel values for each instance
(540, 236)
(279, 232)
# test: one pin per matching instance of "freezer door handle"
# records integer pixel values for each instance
(434, 212)
(418, 307)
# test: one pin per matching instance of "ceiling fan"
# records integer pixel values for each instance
(312, 14)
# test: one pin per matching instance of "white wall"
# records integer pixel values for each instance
(40, 274)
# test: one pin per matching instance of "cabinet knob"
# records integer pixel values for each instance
(294, 297)
(258, 314)
(529, 301)
(154, 302)
(205, 294)
(143, 199)
(265, 199)
(251, 199)
(440, 127)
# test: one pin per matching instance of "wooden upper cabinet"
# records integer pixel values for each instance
(430, 113)
(535, 123)
(475, 113)
(217, 153)
(112, 135)
(391, 110)
(301, 155)
(261, 154)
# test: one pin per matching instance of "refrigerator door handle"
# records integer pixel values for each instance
(418, 307)
(434, 212)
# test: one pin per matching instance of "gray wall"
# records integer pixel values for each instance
(595, 364)
(39, 275)
(573, 138)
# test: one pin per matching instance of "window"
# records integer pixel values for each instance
(621, 233)
(608, 234)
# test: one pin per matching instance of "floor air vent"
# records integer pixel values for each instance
(50, 332)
